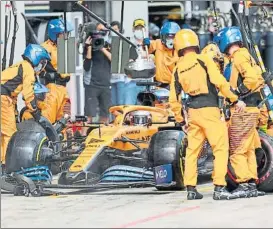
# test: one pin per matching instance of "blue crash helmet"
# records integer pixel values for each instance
(217, 37)
(40, 88)
(227, 37)
(40, 91)
(56, 26)
(36, 54)
(169, 29)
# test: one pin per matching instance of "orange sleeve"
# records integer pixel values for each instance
(28, 84)
(175, 100)
(152, 47)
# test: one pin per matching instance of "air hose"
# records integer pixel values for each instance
(15, 29)
(7, 31)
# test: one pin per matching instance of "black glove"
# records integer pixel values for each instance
(36, 115)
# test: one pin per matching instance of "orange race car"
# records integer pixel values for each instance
(141, 145)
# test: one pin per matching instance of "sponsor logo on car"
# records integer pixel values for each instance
(163, 174)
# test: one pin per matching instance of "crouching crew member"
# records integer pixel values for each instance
(198, 76)
(18, 78)
(247, 79)
(40, 92)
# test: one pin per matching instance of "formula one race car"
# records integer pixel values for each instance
(124, 142)
(142, 144)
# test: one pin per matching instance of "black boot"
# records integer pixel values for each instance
(193, 194)
(254, 192)
(242, 191)
(221, 193)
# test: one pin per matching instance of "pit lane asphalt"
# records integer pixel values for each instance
(135, 208)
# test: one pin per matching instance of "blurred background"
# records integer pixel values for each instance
(197, 15)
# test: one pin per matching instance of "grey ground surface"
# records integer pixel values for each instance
(135, 208)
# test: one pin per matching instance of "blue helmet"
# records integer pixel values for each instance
(168, 28)
(40, 88)
(228, 36)
(35, 54)
(40, 91)
(218, 36)
(55, 27)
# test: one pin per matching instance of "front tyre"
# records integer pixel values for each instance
(168, 147)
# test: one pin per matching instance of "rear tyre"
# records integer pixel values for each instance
(30, 125)
(168, 147)
(265, 168)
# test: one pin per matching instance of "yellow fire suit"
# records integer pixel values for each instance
(164, 60)
(57, 95)
(17, 78)
(245, 77)
(198, 76)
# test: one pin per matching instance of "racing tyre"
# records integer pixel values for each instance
(30, 125)
(265, 167)
(168, 147)
(23, 150)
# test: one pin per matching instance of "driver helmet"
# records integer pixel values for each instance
(140, 118)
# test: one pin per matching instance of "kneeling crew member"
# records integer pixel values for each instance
(18, 78)
(198, 76)
(247, 79)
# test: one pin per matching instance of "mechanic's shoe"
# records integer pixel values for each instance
(254, 192)
(221, 193)
(242, 191)
(193, 194)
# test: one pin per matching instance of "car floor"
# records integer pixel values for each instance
(136, 208)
